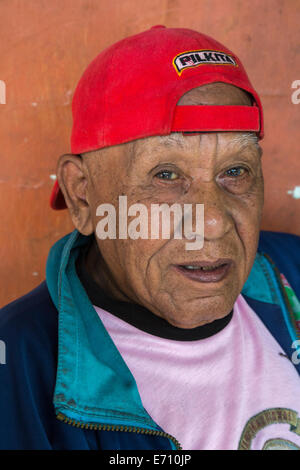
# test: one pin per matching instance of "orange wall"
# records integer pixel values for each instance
(44, 48)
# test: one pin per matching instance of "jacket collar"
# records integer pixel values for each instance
(93, 383)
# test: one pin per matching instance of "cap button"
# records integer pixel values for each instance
(158, 26)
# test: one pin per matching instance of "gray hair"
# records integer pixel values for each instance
(242, 138)
(246, 138)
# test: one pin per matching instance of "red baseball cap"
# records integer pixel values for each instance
(131, 89)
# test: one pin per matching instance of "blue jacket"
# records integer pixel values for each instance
(65, 385)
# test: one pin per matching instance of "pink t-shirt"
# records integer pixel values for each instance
(232, 390)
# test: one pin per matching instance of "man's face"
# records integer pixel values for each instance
(220, 170)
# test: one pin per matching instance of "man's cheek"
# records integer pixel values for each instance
(247, 208)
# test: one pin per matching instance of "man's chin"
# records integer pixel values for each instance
(197, 312)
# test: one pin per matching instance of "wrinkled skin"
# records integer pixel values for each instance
(196, 170)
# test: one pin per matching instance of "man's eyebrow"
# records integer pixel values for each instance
(171, 140)
(245, 139)
(161, 141)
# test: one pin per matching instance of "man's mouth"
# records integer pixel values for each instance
(205, 271)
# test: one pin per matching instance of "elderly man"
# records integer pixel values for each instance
(136, 342)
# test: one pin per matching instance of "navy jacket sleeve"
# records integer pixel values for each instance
(28, 327)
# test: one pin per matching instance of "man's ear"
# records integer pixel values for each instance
(73, 182)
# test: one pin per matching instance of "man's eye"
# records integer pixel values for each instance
(167, 175)
(236, 171)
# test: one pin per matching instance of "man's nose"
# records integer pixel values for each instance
(218, 219)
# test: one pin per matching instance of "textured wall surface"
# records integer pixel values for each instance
(44, 48)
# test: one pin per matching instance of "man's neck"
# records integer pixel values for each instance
(99, 271)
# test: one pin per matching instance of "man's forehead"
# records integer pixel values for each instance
(216, 94)
(132, 155)
(237, 141)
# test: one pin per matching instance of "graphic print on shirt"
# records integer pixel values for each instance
(267, 418)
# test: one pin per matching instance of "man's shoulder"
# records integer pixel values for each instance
(36, 302)
(29, 319)
(272, 239)
(29, 340)
(284, 250)
(28, 331)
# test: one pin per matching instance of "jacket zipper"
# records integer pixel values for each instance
(111, 427)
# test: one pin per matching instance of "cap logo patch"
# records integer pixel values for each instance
(202, 57)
